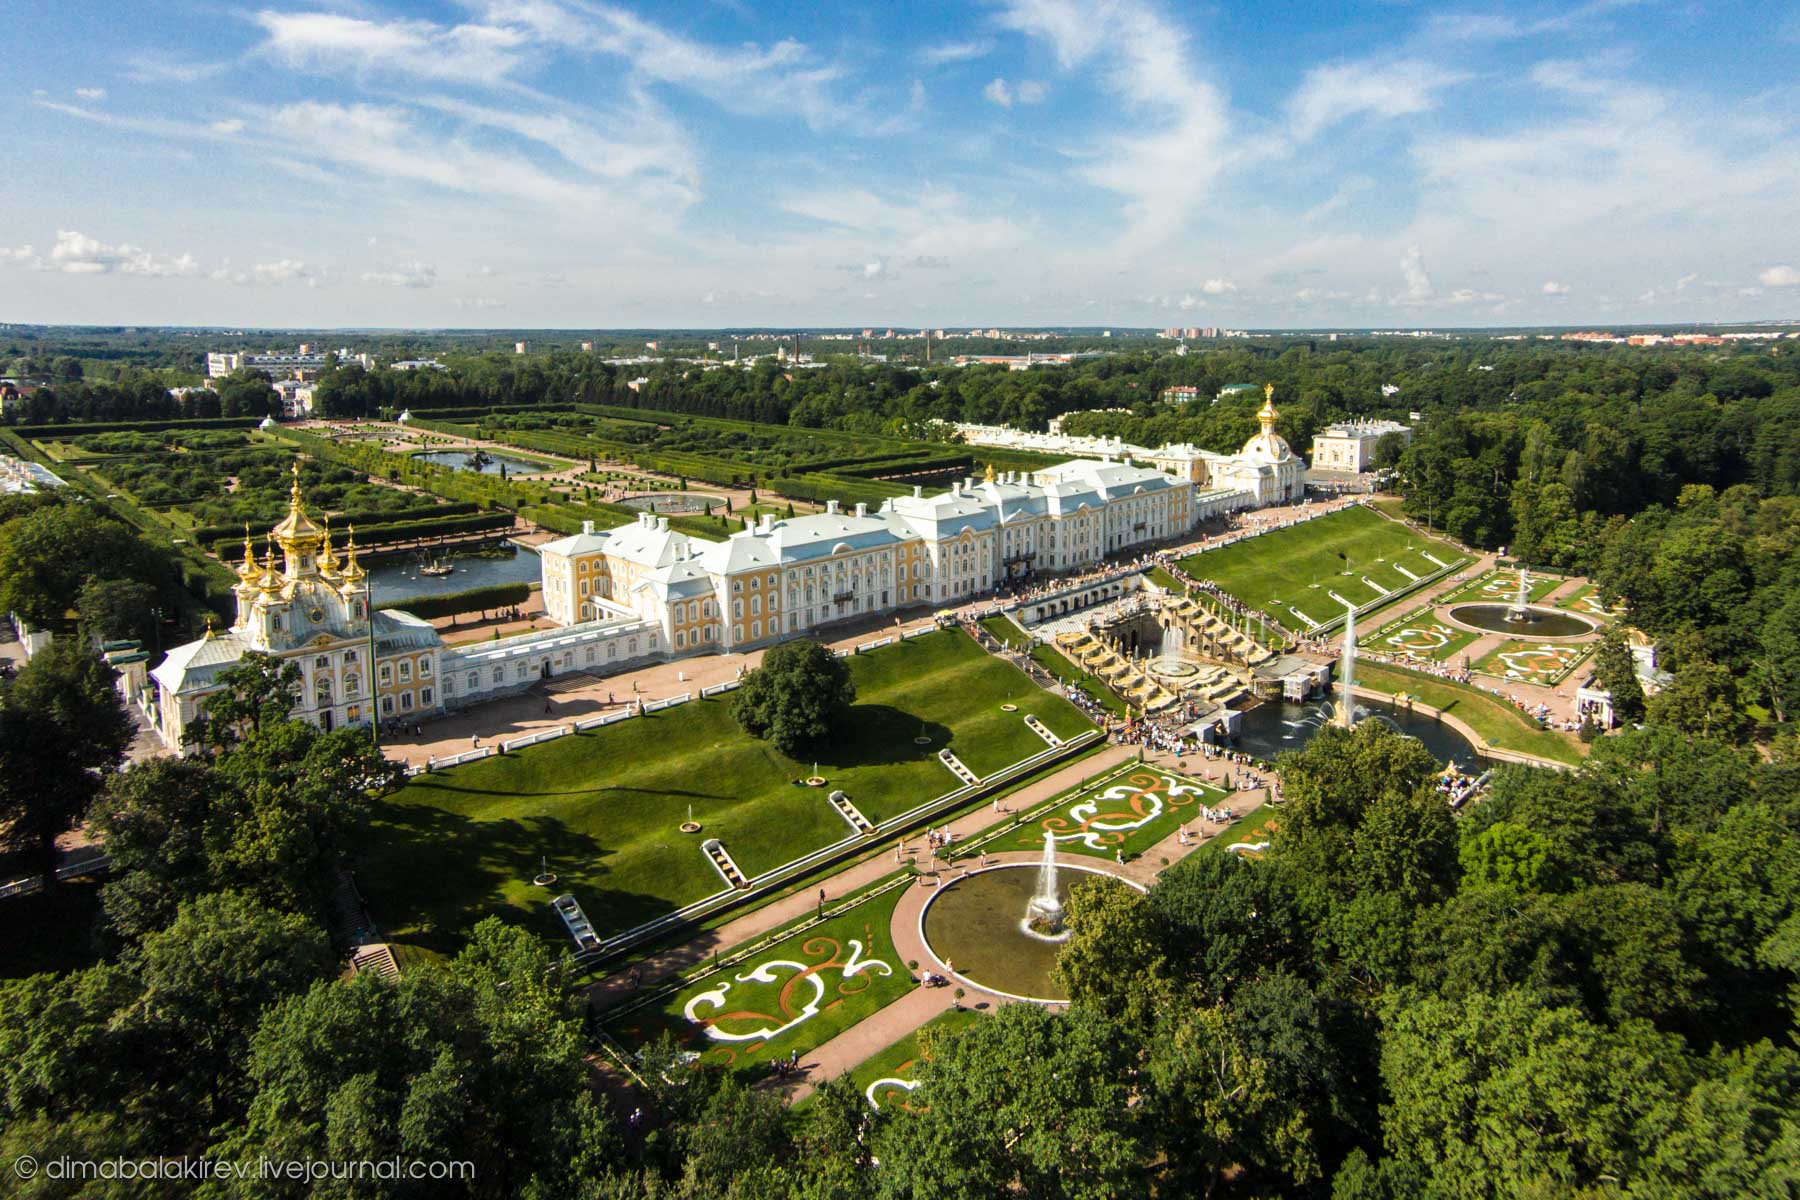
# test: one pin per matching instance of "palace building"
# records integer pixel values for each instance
(645, 593)
(780, 578)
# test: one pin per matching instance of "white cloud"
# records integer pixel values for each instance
(78, 254)
(1382, 89)
(955, 52)
(91, 93)
(286, 270)
(1778, 276)
(1418, 283)
(1462, 296)
(479, 302)
(998, 93)
(228, 126)
(1554, 288)
(1179, 145)
(334, 42)
(874, 269)
(1218, 287)
(406, 275)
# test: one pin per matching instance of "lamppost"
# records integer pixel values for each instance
(374, 678)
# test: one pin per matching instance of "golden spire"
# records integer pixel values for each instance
(297, 531)
(351, 571)
(294, 492)
(209, 627)
(249, 567)
(270, 579)
(990, 473)
(327, 560)
(1267, 415)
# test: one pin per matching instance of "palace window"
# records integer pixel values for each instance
(352, 684)
(425, 697)
(405, 701)
(474, 680)
(425, 668)
(387, 674)
(322, 663)
(406, 670)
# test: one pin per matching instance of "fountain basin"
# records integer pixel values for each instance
(1529, 621)
(974, 922)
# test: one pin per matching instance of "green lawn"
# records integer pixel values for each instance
(1253, 828)
(1497, 722)
(1421, 635)
(603, 806)
(1527, 661)
(1299, 567)
(1162, 579)
(1129, 812)
(1064, 668)
(1501, 586)
(1006, 631)
(900, 1060)
(1586, 601)
(794, 995)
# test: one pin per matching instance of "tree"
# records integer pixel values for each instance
(1023, 1099)
(1617, 671)
(796, 698)
(48, 555)
(1496, 1095)
(63, 727)
(116, 609)
(1701, 701)
(1509, 856)
(257, 693)
(206, 980)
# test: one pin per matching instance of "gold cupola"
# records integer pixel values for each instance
(1268, 414)
(298, 535)
(328, 561)
(352, 572)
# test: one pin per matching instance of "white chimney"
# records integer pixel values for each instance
(862, 509)
(918, 491)
(587, 527)
(749, 524)
(768, 522)
(831, 507)
(662, 524)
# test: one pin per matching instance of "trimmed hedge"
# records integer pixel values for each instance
(65, 431)
(369, 517)
(494, 595)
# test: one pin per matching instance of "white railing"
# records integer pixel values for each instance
(532, 739)
(651, 706)
(875, 645)
(451, 760)
(718, 688)
(920, 632)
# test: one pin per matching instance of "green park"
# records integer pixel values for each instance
(1355, 553)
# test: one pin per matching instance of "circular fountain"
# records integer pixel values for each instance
(1001, 927)
(1526, 622)
(1520, 616)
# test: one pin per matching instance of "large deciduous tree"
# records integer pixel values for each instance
(63, 727)
(796, 698)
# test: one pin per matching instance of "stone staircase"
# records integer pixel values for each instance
(378, 958)
(724, 864)
(850, 813)
(956, 767)
(1036, 726)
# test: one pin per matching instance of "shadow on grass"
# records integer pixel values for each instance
(431, 875)
(880, 735)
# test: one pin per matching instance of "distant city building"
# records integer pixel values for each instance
(1350, 446)
(519, 347)
(281, 364)
(296, 398)
(1233, 389)
(418, 364)
(587, 347)
(1180, 394)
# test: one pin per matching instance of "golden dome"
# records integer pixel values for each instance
(352, 571)
(327, 560)
(296, 527)
(248, 567)
(1268, 414)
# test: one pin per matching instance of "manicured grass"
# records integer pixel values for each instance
(1128, 812)
(1064, 668)
(603, 806)
(1497, 722)
(1254, 828)
(1162, 579)
(901, 1060)
(1501, 586)
(786, 1011)
(1299, 567)
(1533, 662)
(1006, 631)
(1422, 636)
(1586, 601)
(51, 930)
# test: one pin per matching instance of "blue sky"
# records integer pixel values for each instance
(575, 163)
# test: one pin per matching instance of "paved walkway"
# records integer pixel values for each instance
(661, 967)
(888, 1025)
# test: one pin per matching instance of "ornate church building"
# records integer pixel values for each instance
(311, 608)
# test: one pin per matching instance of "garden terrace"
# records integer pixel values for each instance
(1298, 568)
(603, 806)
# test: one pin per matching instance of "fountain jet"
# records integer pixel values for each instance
(1521, 610)
(1044, 914)
(1347, 670)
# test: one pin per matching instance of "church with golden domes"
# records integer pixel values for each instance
(312, 608)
